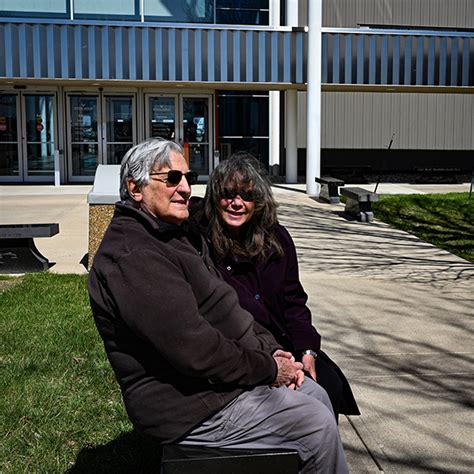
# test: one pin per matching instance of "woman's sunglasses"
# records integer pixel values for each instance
(233, 193)
(174, 177)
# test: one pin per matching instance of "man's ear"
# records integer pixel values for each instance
(134, 190)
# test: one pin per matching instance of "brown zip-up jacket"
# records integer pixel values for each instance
(179, 343)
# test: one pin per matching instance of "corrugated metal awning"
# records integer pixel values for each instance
(151, 53)
(233, 56)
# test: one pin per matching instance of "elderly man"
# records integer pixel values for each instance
(193, 366)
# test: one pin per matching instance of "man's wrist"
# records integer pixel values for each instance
(310, 352)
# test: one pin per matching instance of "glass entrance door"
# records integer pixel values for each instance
(84, 151)
(102, 129)
(120, 130)
(10, 169)
(195, 126)
(27, 137)
(40, 135)
(184, 119)
(162, 113)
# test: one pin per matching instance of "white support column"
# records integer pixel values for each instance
(274, 105)
(274, 117)
(57, 169)
(313, 135)
(291, 109)
(291, 119)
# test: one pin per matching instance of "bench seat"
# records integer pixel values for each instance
(329, 189)
(359, 203)
(18, 252)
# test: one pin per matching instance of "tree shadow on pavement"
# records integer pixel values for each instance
(326, 242)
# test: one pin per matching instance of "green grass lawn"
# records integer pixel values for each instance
(60, 407)
(445, 220)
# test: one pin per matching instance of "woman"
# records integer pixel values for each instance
(257, 256)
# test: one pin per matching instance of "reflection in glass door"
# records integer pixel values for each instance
(196, 133)
(120, 130)
(9, 166)
(84, 135)
(40, 135)
(102, 129)
(184, 119)
(162, 117)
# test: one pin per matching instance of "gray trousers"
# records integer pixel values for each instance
(268, 417)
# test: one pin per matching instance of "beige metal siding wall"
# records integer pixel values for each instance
(426, 13)
(366, 120)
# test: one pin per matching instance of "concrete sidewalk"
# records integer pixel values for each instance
(394, 312)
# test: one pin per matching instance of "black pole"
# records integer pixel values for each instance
(380, 173)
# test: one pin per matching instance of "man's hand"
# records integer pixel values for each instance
(309, 365)
(290, 373)
(281, 353)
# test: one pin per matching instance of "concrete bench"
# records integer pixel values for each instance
(359, 203)
(18, 252)
(329, 189)
(177, 459)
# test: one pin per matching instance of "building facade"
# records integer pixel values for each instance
(82, 81)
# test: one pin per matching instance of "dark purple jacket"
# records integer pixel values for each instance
(271, 291)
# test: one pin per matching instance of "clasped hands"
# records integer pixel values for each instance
(290, 373)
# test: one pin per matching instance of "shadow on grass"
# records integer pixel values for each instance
(129, 453)
(447, 222)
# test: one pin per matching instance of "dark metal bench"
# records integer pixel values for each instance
(18, 252)
(359, 203)
(329, 189)
(177, 459)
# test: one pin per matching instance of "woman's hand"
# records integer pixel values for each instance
(309, 365)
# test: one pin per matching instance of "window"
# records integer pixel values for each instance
(184, 11)
(243, 124)
(100, 9)
(35, 8)
(242, 12)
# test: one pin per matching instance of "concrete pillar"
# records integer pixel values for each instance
(57, 169)
(291, 109)
(274, 105)
(313, 135)
(274, 117)
(291, 120)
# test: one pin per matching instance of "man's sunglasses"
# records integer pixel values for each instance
(233, 193)
(174, 177)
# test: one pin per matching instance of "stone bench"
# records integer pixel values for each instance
(329, 189)
(359, 203)
(18, 252)
(101, 199)
(177, 459)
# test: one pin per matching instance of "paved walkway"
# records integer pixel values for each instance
(394, 312)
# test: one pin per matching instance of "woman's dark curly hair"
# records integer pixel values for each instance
(242, 171)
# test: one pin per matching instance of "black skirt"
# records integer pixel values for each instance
(332, 379)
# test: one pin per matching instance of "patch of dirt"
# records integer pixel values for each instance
(8, 282)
